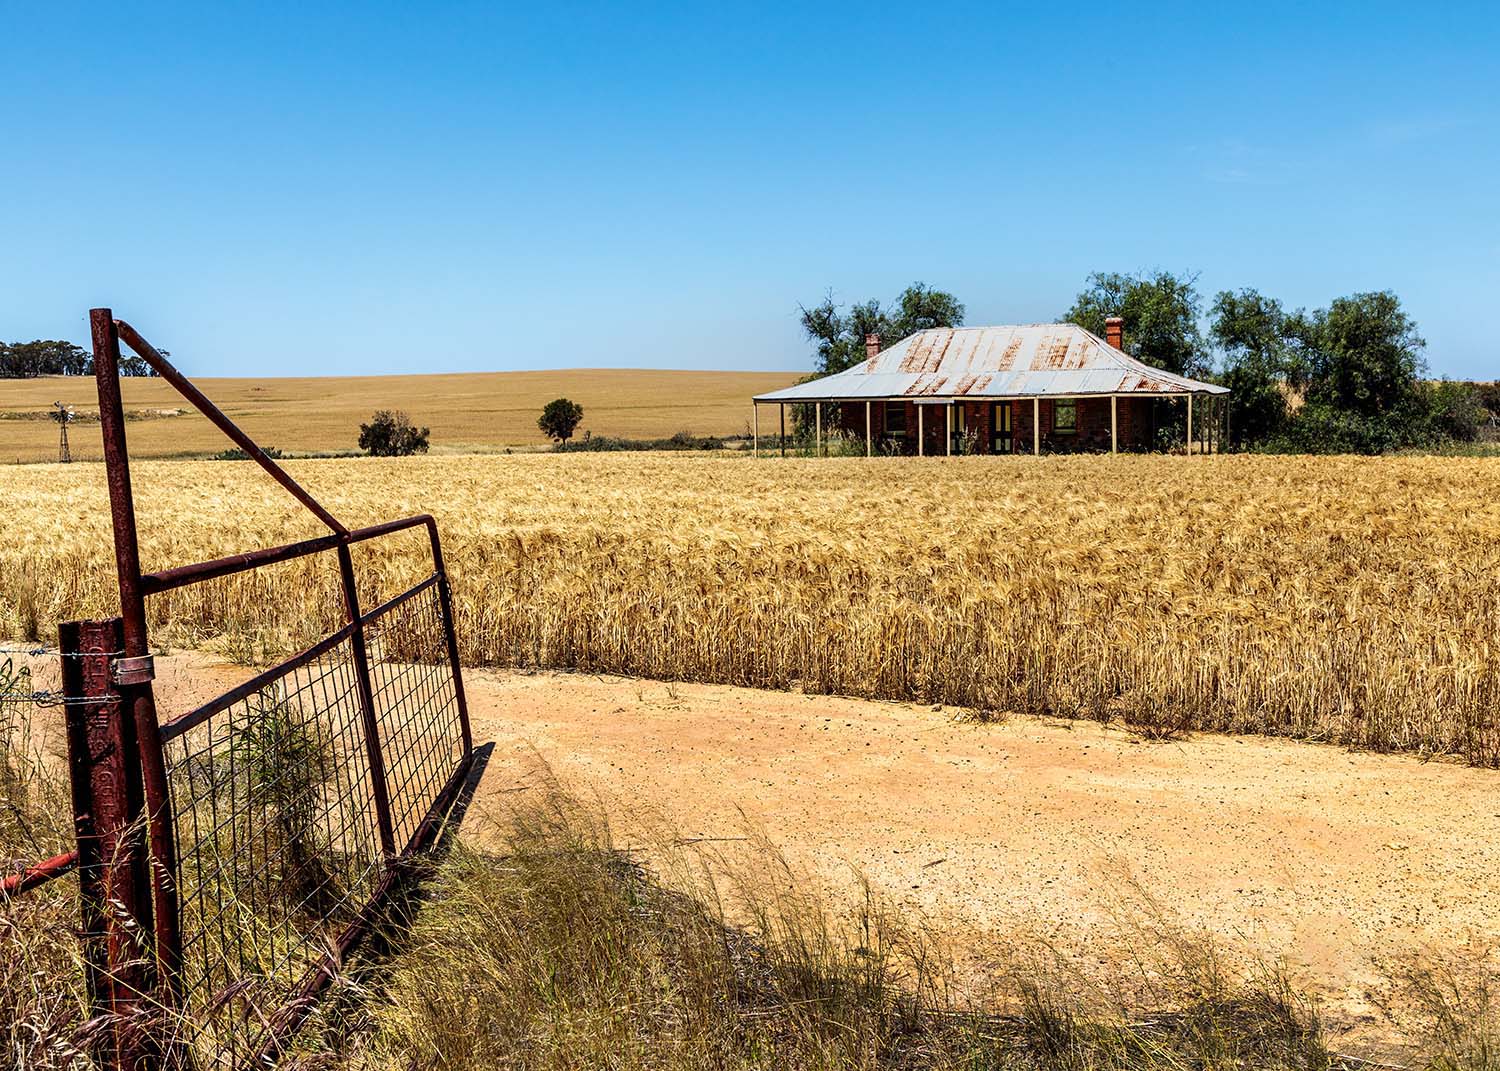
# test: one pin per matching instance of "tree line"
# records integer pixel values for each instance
(27, 360)
(1348, 378)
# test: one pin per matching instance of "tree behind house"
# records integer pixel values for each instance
(1263, 364)
(1365, 355)
(1161, 313)
(839, 334)
(1345, 379)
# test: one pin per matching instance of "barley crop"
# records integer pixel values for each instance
(1339, 599)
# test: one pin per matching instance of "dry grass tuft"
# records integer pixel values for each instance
(43, 1002)
(574, 956)
(1450, 1004)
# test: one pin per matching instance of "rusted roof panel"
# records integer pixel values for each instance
(1045, 360)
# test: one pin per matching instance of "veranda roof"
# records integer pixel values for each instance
(1012, 361)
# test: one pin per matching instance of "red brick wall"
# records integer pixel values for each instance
(1135, 423)
(1021, 420)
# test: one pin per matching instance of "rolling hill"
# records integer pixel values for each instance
(467, 412)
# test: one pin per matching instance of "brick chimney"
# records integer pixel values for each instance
(1114, 332)
(872, 346)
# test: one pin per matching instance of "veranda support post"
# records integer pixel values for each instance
(1190, 426)
(1114, 419)
(921, 438)
(948, 429)
(783, 429)
(1036, 427)
(755, 433)
(869, 440)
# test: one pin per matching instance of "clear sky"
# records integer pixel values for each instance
(297, 189)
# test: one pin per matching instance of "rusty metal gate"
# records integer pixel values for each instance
(231, 857)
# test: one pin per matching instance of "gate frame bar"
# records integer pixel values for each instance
(132, 673)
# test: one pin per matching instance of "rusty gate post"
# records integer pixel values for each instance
(132, 672)
(108, 801)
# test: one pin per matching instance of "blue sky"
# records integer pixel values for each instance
(299, 189)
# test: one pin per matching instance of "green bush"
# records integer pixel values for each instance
(1489, 396)
(1319, 428)
(234, 453)
(606, 444)
(390, 433)
(1435, 414)
(1455, 411)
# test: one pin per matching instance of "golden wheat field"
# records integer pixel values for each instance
(468, 412)
(1340, 599)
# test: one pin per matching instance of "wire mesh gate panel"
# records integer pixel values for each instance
(421, 731)
(275, 812)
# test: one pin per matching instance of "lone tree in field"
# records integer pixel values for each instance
(560, 419)
(390, 433)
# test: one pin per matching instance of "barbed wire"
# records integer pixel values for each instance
(48, 699)
(34, 651)
(10, 676)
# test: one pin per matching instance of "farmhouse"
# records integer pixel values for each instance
(994, 390)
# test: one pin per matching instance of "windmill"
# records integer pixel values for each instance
(64, 417)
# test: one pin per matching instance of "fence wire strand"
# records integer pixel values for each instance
(11, 675)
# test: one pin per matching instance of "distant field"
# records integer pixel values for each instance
(467, 412)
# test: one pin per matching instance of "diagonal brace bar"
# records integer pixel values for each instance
(200, 401)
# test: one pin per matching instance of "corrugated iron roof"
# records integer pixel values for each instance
(1016, 361)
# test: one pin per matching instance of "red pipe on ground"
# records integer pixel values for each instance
(38, 874)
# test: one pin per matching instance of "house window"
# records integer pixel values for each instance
(1065, 418)
(895, 419)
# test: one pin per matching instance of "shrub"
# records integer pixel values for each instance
(234, 453)
(1321, 429)
(1489, 395)
(391, 433)
(1456, 411)
(608, 444)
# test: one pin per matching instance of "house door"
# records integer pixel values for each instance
(1002, 438)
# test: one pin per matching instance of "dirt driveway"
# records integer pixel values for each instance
(1332, 859)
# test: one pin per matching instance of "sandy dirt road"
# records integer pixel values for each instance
(1335, 860)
